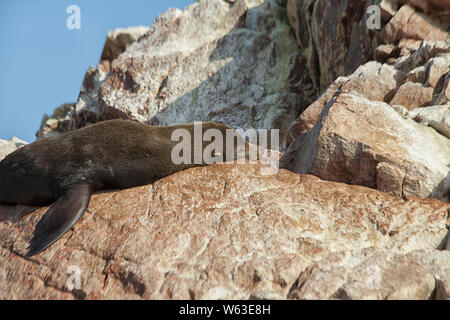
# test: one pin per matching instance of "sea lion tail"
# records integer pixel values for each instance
(61, 216)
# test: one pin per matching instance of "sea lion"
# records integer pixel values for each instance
(65, 170)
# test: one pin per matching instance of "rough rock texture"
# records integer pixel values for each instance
(444, 96)
(437, 117)
(436, 263)
(437, 9)
(365, 142)
(58, 122)
(236, 63)
(384, 275)
(226, 231)
(230, 231)
(411, 24)
(374, 80)
(368, 137)
(8, 146)
(333, 37)
(119, 40)
(413, 95)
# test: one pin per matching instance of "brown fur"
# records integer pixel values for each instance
(112, 154)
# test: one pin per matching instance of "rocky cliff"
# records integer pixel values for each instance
(360, 210)
(233, 62)
(389, 129)
(226, 231)
(8, 146)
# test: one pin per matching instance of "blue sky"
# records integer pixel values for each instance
(43, 63)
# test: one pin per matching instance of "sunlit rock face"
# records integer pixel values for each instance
(389, 127)
(227, 231)
(237, 63)
(362, 211)
(8, 146)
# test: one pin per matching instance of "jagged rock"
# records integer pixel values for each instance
(236, 63)
(58, 122)
(437, 69)
(437, 9)
(418, 74)
(63, 118)
(436, 263)
(333, 37)
(413, 95)
(411, 24)
(437, 117)
(420, 56)
(374, 80)
(388, 9)
(444, 96)
(119, 40)
(408, 46)
(8, 146)
(386, 51)
(227, 231)
(352, 140)
(418, 77)
(385, 275)
(428, 67)
(86, 109)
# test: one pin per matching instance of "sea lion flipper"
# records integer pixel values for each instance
(61, 216)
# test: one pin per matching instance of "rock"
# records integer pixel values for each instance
(413, 95)
(444, 96)
(428, 67)
(120, 39)
(411, 24)
(437, 9)
(333, 37)
(232, 231)
(309, 117)
(57, 123)
(437, 117)
(227, 231)
(388, 9)
(437, 69)
(8, 146)
(437, 263)
(385, 276)
(426, 51)
(409, 45)
(365, 142)
(374, 80)
(389, 179)
(86, 109)
(65, 117)
(412, 82)
(385, 51)
(418, 74)
(236, 63)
